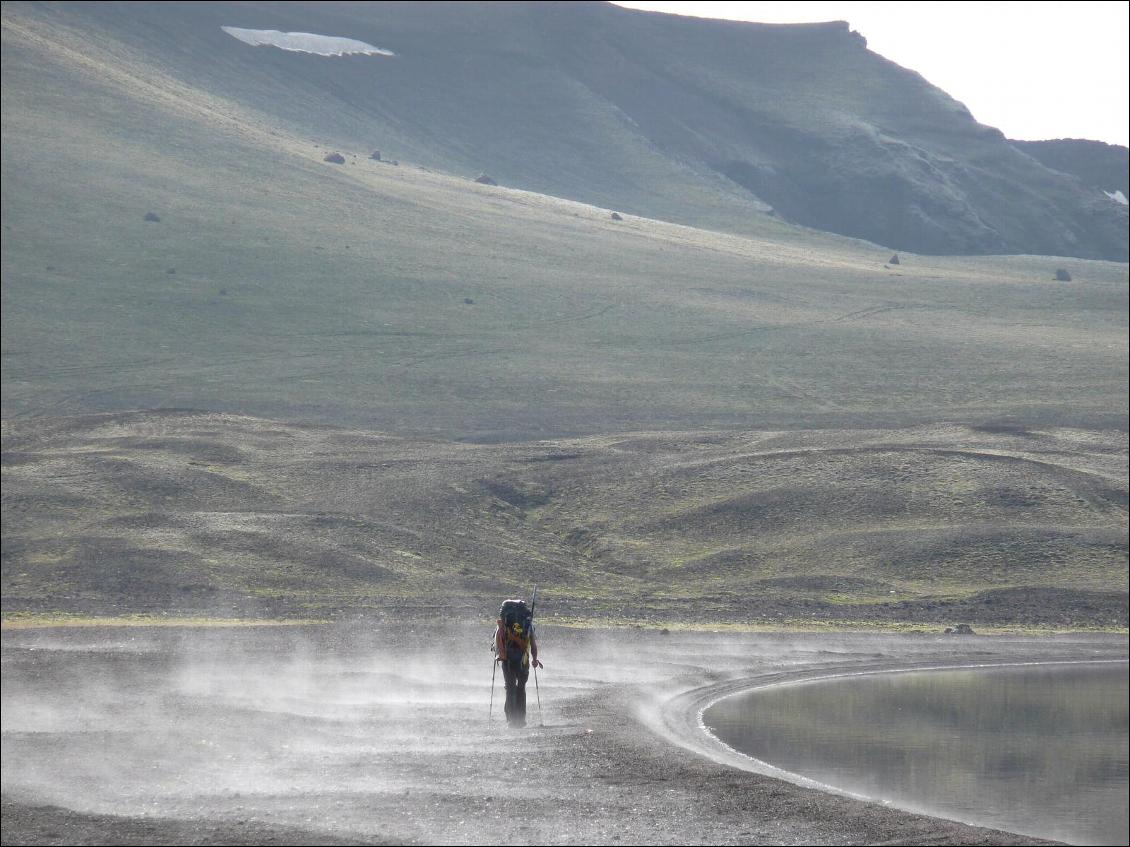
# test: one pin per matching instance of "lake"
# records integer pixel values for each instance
(1039, 750)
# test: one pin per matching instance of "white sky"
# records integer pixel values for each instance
(1033, 70)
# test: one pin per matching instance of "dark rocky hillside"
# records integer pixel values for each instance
(702, 122)
(1098, 165)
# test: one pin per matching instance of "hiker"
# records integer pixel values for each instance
(516, 648)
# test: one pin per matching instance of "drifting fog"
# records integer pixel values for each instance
(331, 728)
(307, 727)
(289, 724)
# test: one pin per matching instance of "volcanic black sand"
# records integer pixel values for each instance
(365, 733)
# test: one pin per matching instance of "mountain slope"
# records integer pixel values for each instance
(701, 122)
(277, 284)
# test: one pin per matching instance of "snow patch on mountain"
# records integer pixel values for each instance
(305, 42)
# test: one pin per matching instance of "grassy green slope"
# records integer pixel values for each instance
(471, 90)
(337, 293)
(695, 121)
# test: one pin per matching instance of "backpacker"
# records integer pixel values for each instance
(516, 612)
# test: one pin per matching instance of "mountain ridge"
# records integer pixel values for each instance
(707, 123)
(1097, 164)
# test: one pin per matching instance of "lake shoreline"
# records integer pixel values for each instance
(947, 740)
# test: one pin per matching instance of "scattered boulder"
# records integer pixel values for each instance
(894, 260)
(223, 292)
(483, 179)
(665, 631)
(153, 217)
(375, 155)
(469, 301)
(171, 271)
(960, 629)
(616, 216)
(334, 158)
(1062, 275)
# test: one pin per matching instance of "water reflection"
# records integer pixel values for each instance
(1037, 750)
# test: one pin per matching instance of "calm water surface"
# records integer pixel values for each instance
(1036, 750)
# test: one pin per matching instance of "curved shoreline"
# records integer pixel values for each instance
(709, 696)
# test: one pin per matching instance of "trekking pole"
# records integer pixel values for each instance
(493, 673)
(537, 690)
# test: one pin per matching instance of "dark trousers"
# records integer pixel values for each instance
(515, 674)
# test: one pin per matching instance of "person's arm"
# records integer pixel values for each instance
(534, 652)
(499, 646)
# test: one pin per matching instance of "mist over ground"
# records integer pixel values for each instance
(365, 732)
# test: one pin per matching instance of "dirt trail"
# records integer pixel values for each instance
(373, 734)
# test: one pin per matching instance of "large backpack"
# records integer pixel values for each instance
(510, 613)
